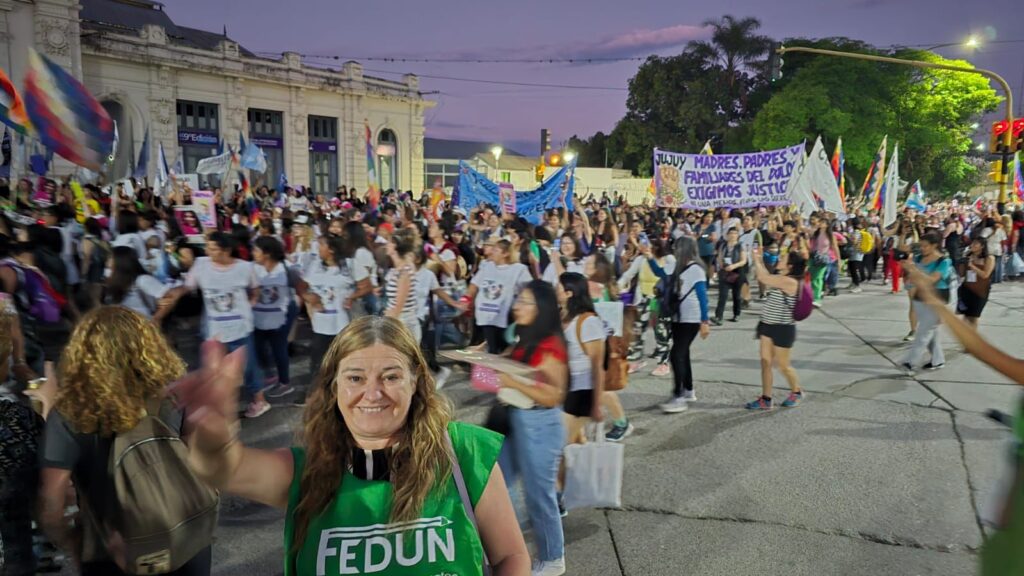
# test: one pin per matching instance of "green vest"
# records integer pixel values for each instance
(353, 536)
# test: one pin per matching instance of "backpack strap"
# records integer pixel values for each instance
(579, 327)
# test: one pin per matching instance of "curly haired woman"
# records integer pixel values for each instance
(116, 362)
(385, 481)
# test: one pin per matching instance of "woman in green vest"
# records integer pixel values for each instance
(384, 483)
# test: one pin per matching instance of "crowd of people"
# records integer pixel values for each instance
(113, 285)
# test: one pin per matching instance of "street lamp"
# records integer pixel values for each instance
(971, 42)
(568, 156)
(496, 151)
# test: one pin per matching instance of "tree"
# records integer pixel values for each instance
(928, 112)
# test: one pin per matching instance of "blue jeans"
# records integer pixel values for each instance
(272, 346)
(532, 452)
(253, 383)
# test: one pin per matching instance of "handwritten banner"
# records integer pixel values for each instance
(214, 164)
(701, 181)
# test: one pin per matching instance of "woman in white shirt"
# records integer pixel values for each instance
(330, 283)
(493, 290)
(275, 311)
(585, 335)
(130, 286)
(364, 270)
(229, 290)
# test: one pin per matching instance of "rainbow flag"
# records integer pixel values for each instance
(1018, 177)
(12, 108)
(66, 117)
(875, 179)
(839, 170)
(372, 192)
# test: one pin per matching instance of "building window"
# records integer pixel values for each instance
(197, 134)
(266, 131)
(323, 153)
(448, 173)
(387, 160)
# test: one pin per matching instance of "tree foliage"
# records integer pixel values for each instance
(929, 112)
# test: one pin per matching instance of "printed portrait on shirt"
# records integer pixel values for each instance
(269, 294)
(220, 302)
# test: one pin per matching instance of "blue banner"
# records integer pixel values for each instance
(473, 188)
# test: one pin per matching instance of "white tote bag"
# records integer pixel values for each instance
(593, 474)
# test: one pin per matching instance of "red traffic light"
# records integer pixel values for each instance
(1018, 127)
(1000, 128)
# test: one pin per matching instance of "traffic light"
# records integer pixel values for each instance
(553, 159)
(538, 172)
(995, 145)
(1018, 134)
(545, 141)
(775, 62)
(996, 175)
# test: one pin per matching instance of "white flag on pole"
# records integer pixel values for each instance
(891, 188)
(799, 189)
(823, 180)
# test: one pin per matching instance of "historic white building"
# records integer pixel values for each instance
(191, 88)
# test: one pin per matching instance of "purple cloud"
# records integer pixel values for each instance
(638, 42)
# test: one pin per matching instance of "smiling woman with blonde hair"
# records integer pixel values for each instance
(385, 481)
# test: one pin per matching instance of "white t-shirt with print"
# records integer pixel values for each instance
(364, 265)
(426, 282)
(271, 309)
(497, 287)
(580, 365)
(225, 297)
(332, 284)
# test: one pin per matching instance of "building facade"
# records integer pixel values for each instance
(192, 89)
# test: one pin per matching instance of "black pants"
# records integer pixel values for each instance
(682, 372)
(319, 344)
(856, 272)
(869, 264)
(197, 566)
(495, 338)
(427, 344)
(723, 288)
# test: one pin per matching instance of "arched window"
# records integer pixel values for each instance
(387, 160)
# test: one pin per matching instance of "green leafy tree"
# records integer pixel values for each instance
(929, 112)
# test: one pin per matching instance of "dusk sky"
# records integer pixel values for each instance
(514, 115)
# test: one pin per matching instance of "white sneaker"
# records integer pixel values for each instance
(441, 378)
(675, 406)
(816, 304)
(257, 409)
(548, 568)
(689, 396)
(856, 290)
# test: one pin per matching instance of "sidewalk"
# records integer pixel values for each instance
(875, 473)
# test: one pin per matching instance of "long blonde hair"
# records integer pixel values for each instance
(115, 362)
(420, 459)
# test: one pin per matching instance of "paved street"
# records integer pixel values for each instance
(876, 473)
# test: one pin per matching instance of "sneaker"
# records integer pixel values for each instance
(734, 319)
(561, 506)
(442, 377)
(257, 409)
(548, 567)
(635, 355)
(618, 432)
(675, 406)
(907, 369)
(930, 366)
(635, 367)
(661, 371)
(910, 336)
(816, 304)
(745, 304)
(856, 290)
(793, 399)
(716, 321)
(761, 403)
(689, 396)
(278, 390)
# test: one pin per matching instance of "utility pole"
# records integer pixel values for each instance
(1007, 137)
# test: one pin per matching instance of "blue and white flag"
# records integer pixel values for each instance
(253, 158)
(241, 143)
(915, 197)
(474, 188)
(282, 184)
(142, 166)
(179, 167)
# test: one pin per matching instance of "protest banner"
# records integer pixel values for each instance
(507, 194)
(206, 208)
(474, 188)
(701, 181)
(214, 164)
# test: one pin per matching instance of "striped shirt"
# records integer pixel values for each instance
(409, 313)
(778, 308)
